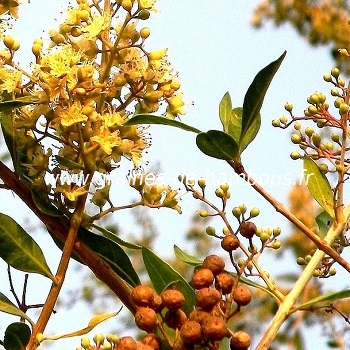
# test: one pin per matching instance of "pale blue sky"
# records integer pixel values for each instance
(214, 48)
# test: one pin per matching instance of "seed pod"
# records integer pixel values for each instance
(224, 282)
(230, 243)
(191, 332)
(126, 343)
(242, 295)
(142, 295)
(202, 278)
(152, 340)
(146, 319)
(240, 340)
(214, 328)
(175, 318)
(214, 263)
(172, 299)
(247, 229)
(207, 298)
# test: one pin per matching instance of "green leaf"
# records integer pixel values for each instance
(318, 185)
(19, 250)
(69, 164)
(8, 307)
(250, 134)
(153, 119)
(42, 201)
(324, 221)
(162, 275)
(234, 128)
(112, 253)
(95, 320)
(255, 95)
(17, 336)
(113, 237)
(324, 299)
(225, 109)
(18, 102)
(217, 144)
(186, 258)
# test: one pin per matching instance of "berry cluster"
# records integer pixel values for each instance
(218, 298)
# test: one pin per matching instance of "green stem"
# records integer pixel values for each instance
(286, 307)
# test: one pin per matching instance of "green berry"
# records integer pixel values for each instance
(219, 193)
(312, 110)
(335, 72)
(316, 273)
(264, 237)
(276, 245)
(243, 208)
(276, 231)
(316, 139)
(203, 213)
(236, 211)
(301, 261)
(201, 183)
(210, 230)
(327, 77)
(335, 92)
(99, 338)
(295, 138)
(335, 137)
(295, 155)
(309, 131)
(338, 102)
(276, 123)
(85, 342)
(343, 108)
(323, 168)
(297, 126)
(254, 212)
(341, 82)
(308, 258)
(332, 271)
(283, 119)
(288, 106)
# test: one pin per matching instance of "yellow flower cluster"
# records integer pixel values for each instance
(95, 75)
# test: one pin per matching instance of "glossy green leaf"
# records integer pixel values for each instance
(17, 103)
(225, 109)
(42, 201)
(19, 250)
(153, 119)
(95, 321)
(324, 299)
(217, 144)
(162, 275)
(318, 185)
(8, 307)
(324, 221)
(112, 253)
(113, 237)
(250, 134)
(255, 95)
(17, 336)
(186, 258)
(235, 126)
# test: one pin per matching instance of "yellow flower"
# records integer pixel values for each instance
(10, 6)
(98, 24)
(71, 115)
(107, 139)
(175, 106)
(146, 4)
(9, 79)
(71, 192)
(114, 119)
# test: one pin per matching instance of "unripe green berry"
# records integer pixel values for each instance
(295, 138)
(219, 193)
(316, 273)
(341, 82)
(203, 213)
(236, 211)
(316, 139)
(329, 146)
(327, 77)
(338, 102)
(343, 108)
(297, 126)
(308, 258)
(99, 338)
(264, 237)
(241, 262)
(323, 168)
(210, 230)
(312, 110)
(144, 14)
(85, 342)
(254, 212)
(332, 271)
(335, 137)
(288, 106)
(301, 261)
(309, 131)
(243, 208)
(283, 119)
(295, 155)
(112, 338)
(276, 245)
(127, 5)
(276, 123)
(224, 187)
(321, 123)
(335, 72)
(106, 346)
(9, 41)
(276, 231)
(145, 33)
(201, 183)
(335, 92)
